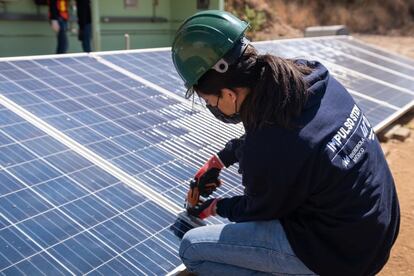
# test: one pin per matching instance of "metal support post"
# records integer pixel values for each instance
(127, 42)
(96, 25)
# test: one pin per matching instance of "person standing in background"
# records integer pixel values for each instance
(83, 9)
(58, 16)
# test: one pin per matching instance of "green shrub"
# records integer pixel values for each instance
(257, 19)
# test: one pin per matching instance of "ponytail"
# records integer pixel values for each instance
(279, 94)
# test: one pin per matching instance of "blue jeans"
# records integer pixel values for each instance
(248, 248)
(85, 34)
(62, 38)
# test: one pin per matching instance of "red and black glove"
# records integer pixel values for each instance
(204, 209)
(207, 176)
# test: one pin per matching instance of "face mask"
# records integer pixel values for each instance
(228, 119)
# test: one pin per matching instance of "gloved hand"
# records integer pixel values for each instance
(207, 176)
(55, 25)
(204, 209)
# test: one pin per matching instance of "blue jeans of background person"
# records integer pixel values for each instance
(248, 248)
(62, 39)
(85, 34)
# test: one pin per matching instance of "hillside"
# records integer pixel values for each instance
(288, 18)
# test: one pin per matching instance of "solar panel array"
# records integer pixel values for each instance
(381, 83)
(81, 218)
(96, 151)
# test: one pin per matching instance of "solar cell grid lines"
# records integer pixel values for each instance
(106, 128)
(157, 68)
(367, 56)
(53, 217)
(96, 151)
(371, 73)
(378, 51)
(361, 65)
(383, 93)
(136, 129)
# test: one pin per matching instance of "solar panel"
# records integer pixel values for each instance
(354, 42)
(156, 67)
(149, 136)
(385, 81)
(338, 45)
(97, 151)
(133, 126)
(382, 93)
(61, 214)
(349, 62)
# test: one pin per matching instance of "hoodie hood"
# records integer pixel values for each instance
(317, 81)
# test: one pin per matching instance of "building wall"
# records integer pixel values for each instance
(34, 37)
(142, 34)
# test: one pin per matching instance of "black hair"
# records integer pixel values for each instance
(278, 91)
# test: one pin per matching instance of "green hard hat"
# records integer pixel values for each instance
(203, 40)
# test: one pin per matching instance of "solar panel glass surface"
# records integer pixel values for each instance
(157, 139)
(156, 67)
(367, 56)
(61, 214)
(320, 52)
(363, 70)
(383, 52)
(384, 98)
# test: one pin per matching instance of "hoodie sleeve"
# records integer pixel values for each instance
(232, 152)
(272, 177)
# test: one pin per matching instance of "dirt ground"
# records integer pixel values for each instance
(401, 160)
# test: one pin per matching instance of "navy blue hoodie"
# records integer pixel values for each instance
(327, 182)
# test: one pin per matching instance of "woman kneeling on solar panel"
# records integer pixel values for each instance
(319, 197)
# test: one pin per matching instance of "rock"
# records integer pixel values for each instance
(397, 132)
(401, 133)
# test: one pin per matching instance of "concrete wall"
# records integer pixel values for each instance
(147, 26)
(142, 34)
